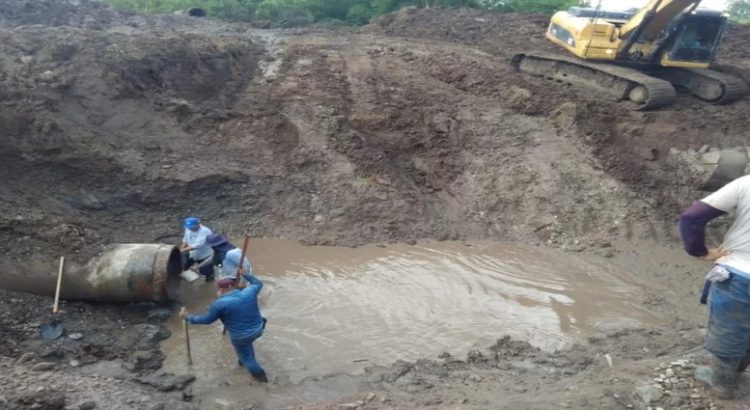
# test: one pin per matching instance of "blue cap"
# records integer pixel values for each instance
(191, 222)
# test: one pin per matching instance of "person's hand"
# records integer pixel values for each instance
(183, 313)
(714, 254)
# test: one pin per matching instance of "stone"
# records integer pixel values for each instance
(398, 370)
(166, 381)
(187, 394)
(475, 378)
(669, 373)
(75, 336)
(43, 366)
(159, 314)
(649, 393)
(370, 396)
(25, 357)
(146, 359)
(354, 405)
(89, 405)
(711, 157)
(151, 333)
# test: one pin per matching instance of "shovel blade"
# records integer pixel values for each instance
(189, 275)
(52, 331)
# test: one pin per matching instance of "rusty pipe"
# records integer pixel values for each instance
(121, 273)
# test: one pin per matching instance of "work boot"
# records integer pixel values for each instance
(210, 278)
(261, 377)
(720, 376)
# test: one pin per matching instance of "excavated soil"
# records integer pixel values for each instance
(114, 126)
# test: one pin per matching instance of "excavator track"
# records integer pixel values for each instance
(641, 91)
(708, 85)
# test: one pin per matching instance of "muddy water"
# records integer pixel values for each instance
(334, 310)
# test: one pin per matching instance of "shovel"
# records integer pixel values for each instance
(187, 342)
(54, 329)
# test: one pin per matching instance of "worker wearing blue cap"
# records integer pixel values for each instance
(194, 248)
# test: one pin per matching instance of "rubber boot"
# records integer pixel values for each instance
(720, 376)
(261, 377)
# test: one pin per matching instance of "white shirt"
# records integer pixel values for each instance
(197, 240)
(735, 195)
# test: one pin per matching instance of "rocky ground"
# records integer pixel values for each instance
(117, 125)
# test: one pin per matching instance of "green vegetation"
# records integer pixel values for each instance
(300, 12)
(740, 10)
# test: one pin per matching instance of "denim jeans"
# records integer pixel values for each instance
(246, 354)
(729, 321)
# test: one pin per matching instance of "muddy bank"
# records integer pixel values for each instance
(108, 355)
(116, 126)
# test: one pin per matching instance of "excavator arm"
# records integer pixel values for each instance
(650, 20)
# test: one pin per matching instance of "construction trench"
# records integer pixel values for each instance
(434, 230)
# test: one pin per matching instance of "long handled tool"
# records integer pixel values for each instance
(54, 329)
(187, 342)
(242, 261)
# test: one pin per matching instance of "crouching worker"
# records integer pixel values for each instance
(238, 310)
(728, 283)
(195, 249)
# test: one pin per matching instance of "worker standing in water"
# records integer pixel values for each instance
(194, 248)
(728, 337)
(238, 309)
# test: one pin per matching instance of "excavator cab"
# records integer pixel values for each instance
(697, 39)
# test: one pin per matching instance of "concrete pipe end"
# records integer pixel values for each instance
(167, 269)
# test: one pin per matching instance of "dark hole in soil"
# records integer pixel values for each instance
(196, 12)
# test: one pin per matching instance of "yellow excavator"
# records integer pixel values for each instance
(639, 56)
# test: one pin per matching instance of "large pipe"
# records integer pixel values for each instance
(122, 273)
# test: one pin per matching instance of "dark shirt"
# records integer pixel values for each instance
(693, 223)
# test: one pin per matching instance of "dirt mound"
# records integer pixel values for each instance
(124, 131)
(631, 146)
(500, 33)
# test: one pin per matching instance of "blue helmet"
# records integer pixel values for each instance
(191, 222)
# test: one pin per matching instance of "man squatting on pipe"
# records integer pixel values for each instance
(194, 248)
(728, 337)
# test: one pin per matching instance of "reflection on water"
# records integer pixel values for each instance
(340, 309)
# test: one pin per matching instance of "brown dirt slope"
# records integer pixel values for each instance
(413, 127)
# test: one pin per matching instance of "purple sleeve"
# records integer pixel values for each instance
(693, 223)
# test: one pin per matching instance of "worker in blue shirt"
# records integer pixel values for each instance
(238, 310)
